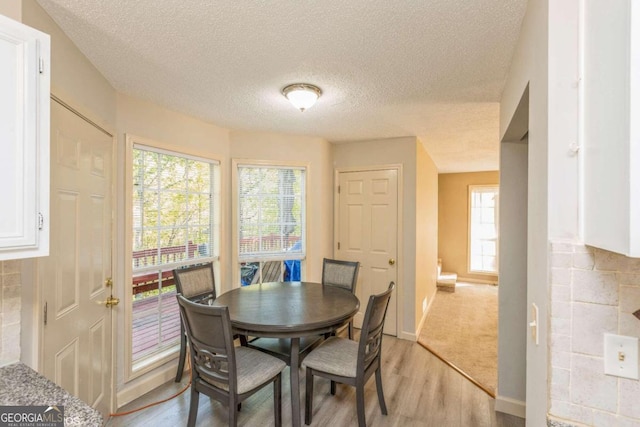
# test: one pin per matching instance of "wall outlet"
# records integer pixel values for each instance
(621, 356)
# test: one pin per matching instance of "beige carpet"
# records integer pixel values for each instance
(462, 328)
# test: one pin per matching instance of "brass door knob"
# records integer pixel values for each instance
(392, 261)
(111, 301)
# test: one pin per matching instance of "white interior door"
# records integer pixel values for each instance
(367, 232)
(77, 336)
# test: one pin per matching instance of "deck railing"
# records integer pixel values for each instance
(171, 254)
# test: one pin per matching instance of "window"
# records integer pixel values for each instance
(483, 229)
(271, 222)
(175, 203)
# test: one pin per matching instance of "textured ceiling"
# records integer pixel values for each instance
(434, 69)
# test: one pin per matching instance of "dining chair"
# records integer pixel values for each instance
(197, 284)
(222, 371)
(342, 274)
(351, 362)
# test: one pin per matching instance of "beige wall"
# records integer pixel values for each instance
(453, 220)
(12, 9)
(426, 231)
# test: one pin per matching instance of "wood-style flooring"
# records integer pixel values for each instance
(420, 390)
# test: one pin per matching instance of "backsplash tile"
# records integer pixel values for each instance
(590, 323)
(629, 395)
(584, 261)
(595, 286)
(609, 261)
(10, 305)
(589, 387)
(597, 292)
(629, 298)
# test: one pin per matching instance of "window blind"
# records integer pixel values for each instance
(271, 212)
(175, 207)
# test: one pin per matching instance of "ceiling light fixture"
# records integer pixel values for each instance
(302, 95)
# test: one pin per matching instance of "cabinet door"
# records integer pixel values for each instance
(611, 102)
(24, 141)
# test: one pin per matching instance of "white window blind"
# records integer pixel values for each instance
(271, 212)
(175, 212)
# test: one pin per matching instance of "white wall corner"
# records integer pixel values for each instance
(510, 406)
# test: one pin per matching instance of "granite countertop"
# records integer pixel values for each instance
(20, 385)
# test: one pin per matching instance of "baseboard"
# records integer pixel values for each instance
(510, 406)
(146, 383)
(480, 281)
(424, 314)
(408, 336)
(424, 318)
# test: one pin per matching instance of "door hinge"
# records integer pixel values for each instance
(41, 66)
(40, 221)
(338, 189)
(338, 245)
(45, 313)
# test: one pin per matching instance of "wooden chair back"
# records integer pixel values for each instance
(370, 345)
(196, 283)
(343, 274)
(210, 336)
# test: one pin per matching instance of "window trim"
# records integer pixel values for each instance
(132, 371)
(235, 163)
(471, 189)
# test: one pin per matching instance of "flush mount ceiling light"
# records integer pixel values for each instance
(302, 95)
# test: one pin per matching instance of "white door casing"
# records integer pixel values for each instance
(77, 335)
(367, 231)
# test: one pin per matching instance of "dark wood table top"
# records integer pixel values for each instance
(288, 309)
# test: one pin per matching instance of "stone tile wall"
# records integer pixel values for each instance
(593, 292)
(10, 304)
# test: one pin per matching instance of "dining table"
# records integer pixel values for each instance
(289, 311)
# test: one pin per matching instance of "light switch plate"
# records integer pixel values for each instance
(534, 323)
(621, 356)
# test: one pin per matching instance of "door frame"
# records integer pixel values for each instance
(400, 330)
(35, 353)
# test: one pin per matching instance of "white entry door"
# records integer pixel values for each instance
(77, 340)
(367, 227)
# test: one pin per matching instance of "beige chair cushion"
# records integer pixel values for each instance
(338, 356)
(254, 368)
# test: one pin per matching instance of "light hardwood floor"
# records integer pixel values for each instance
(420, 390)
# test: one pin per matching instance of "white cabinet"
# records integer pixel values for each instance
(24, 140)
(611, 124)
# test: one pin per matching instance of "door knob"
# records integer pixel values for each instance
(111, 301)
(392, 261)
